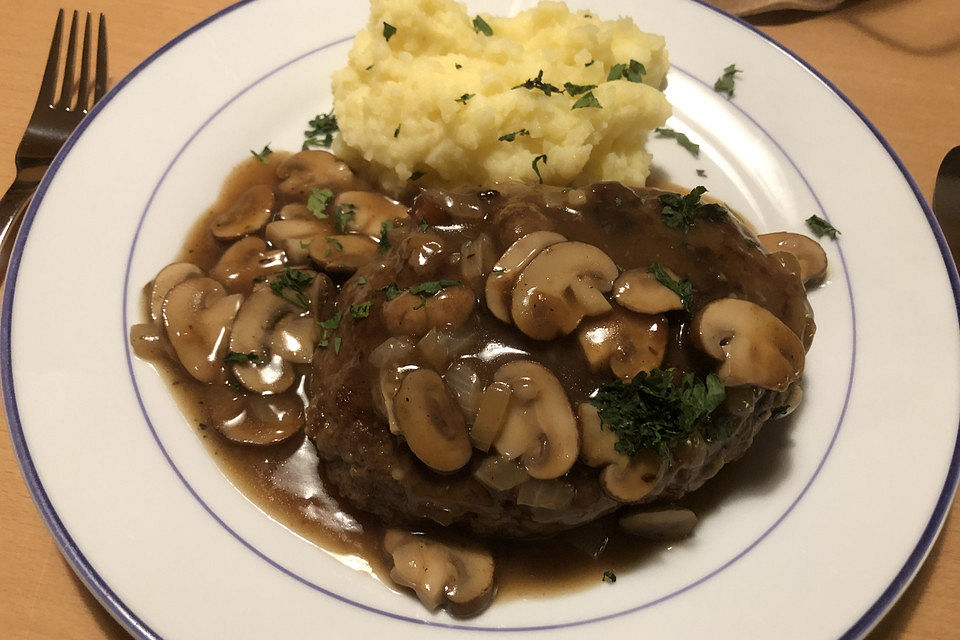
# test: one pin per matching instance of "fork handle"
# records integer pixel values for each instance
(12, 207)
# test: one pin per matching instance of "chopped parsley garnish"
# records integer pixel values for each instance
(589, 63)
(681, 139)
(361, 280)
(388, 31)
(289, 286)
(701, 173)
(751, 243)
(385, 228)
(618, 201)
(423, 226)
(463, 99)
(304, 245)
(481, 26)
(609, 576)
(585, 101)
(332, 323)
(430, 288)
(416, 175)
(343, 214)
(577, 89)
(632, 71)
(725, 83)
(458, 65)
(262, 156)
(822, 228)
(720, 428)
(337, 342)
(536, 170)
(360, 311)
(237, 357)
(680, 212)
(510, 137)
(538, 84)
(321, 130)
(336, 244)
(682, 288)
(650, 412)
(368, 68)
(317, 202)
(259, 278)
(391, 291)
(396, 132)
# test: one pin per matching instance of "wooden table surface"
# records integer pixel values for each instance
(898, 60)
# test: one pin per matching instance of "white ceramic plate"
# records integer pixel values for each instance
(819, 528)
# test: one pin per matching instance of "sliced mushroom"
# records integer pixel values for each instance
(626, 342)
(438, 571)
(754, 345)
(253, 333)
(503, 276)
(431, 422)
(294, 230)
(411, 315)
(342, 253)
(392, 357)
(248, 214)
(369, 211)
(303, 172)
(640, 291)
(169, 277)
(244, 260)
(295, 338)
(477, 258)
(564, 283)
(660, 524)
(538, 427)
(424, 253)
(198, 315)
(807, 251)
(624, 479)
(254, 419)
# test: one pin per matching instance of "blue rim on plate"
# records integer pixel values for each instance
(138, 627)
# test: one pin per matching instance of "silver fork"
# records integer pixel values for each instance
(52, 122)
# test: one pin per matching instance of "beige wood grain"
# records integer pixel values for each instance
(899, 60)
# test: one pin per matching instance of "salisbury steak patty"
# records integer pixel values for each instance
(461, 383)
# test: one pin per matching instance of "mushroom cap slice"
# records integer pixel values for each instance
(244, 260)
(370, 210)
(626, 342)
(303, 172)
(807, 251)
(248, 213)
(430, 420)
(169, 277)
(295, 338)
(624, 479)
(254, 419)
(754, 345)
(198, 314)
(503, 276)
(252, 333)
(539, 426)
(411, 315)
(640, 291)
(562, 284)
(294, 235)
(438, 571)
(342, 253)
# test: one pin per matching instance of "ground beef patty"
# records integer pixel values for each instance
(428, 311)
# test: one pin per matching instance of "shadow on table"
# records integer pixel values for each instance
(884, 21)
(111, 628)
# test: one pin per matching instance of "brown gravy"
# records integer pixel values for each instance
(285, 480)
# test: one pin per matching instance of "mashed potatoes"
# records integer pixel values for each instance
(433, 100)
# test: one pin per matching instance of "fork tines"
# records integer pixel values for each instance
(67, 86)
